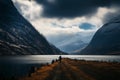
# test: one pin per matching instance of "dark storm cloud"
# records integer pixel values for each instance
(73, 8)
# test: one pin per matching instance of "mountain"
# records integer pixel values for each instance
(106, 41)
(72, 45)
(18, 36)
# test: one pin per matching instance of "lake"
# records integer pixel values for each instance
(21, 65)
(33, 59)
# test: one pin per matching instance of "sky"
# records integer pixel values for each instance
(62, 20)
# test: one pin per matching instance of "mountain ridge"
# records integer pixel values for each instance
(106, 40)
(18, 36)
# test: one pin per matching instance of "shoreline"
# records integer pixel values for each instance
(72, 69)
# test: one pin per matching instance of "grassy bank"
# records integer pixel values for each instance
(70, 69)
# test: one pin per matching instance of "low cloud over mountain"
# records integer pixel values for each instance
(60, 19)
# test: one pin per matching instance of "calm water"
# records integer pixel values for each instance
(21, 65)
(34, 59)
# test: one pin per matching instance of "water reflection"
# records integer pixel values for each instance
(48, 58)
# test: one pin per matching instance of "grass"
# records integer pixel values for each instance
(70, 69)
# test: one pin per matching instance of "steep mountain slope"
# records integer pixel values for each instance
(17, 35)
(106, 40)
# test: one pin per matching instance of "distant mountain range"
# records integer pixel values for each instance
(72, 45)
(106, 41)
(18, 36)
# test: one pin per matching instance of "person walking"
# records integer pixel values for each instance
(60, 58)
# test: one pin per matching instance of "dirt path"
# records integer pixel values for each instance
(77, 70)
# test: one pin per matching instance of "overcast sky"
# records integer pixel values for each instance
(62, 20)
